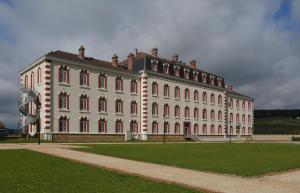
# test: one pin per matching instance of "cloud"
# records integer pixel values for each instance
(236, 39)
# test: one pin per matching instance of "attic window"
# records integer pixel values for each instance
(212, 80)
(195, 75)
(219, 81)
(186, 73)
(166, 68)
(204, 77)
(176, 71)
(154, 65)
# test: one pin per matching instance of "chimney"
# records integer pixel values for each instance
(230, 87)
(154, 52)
(81, 51)
(193, 64)
(130, 58)
(175, 58)
(114, 60)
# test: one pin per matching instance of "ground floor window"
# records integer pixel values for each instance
(154, 127)
(177, 128)
(119, 126)
(204, 129)
(134, 127)
(63, 124)
(196, 129)
(220, 129)
(166, 127)
(212, 129)
(84, 125)
(102, 126)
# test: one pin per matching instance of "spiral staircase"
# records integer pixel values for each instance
(27, 96)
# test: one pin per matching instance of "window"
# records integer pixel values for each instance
(155, 109)
(154, 65)
(243, 119)
(204, 114)
(38, 76)
(63, 76)
(196, 129)
(119, 106)
(63, 102)
(177, 92)
(196, 96)
(249, 119)
(154, 127)
(133, 126)
(102, 81)
(119, 84)
(204, 97)
(102, 126)
(204, 129)
(204, 77)
(26, 81)
(231, 118)
(243, 105)
(84, 78)
(187, 112)
(212, 80)
(212, 98)
(220, 99)
(102, 104)
(220, 116)
(133, 108)
(177, 71)
(187, 94)
(186, 73)
(177, 128)
(84, 125)
(134, 86)
(249, 106)
(177, 111)
(166, 110)
(119, 126)
(237, 104)
(243, 131)
(84, 103)
(155, 88)
(166, 68)
(219, 129)
(195, 76)
(231, 130)
(63, 124)
(212, 129)
(212, 115)
(237, 118)
(231, 103)
(196, 113)
(219, 81)
(166, 90)
(249, 130)
(166, 127)
(31, 80)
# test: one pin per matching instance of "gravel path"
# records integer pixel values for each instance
(282, 183)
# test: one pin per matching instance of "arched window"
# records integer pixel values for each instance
(177, 92)
(102, 81)
(102, 125)
(231, 130)
(84, 103)
(155, 109)
(102, 104)
(196, 113)
(133, 108)
(119, 126)
(26, 81)
(196, 96)
(204, 129)
(133, 126)
(231, 118)
(154, 127)
(63, 74)
(177, 111)
(243, 131)
(249, 106)
(237, 103)
(155, 88)
(38, 76)
(212, 115)
(63, 102)
(212, 129)
(119, 84)
(220, 116)
(196, 129)
(243, 118)
(243, 105)
(134, 86)
(166, 127)
(187, 94)
(84, 78)
(220, 100)
(212, 98)
(84, 125)
(187, 112)
(177, 128)
(63, 124)
(166, 110)
(249, 119)
(119, 106)
(166, 90)
(237, 118)
(249, 131)
(219, 129)
(204, 97)
(231, 103)
(204, 114)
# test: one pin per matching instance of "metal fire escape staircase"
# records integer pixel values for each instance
(27, 96)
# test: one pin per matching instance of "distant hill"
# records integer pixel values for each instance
(277, 121)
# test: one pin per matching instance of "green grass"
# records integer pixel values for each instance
(277, 125)
(19, 140)
(240, 159)
(26, 171)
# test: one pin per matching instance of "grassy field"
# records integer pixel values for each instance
(240, 159)
(277, 125)
(19, 140)
(26, 171)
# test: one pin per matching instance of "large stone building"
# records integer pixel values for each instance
(86, 99)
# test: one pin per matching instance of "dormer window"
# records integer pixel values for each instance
(204, 76)
(154, 65)
(219, 80)
(186, 73)
(176, 71)
(166, 67)
(195, 75)
(212, 80)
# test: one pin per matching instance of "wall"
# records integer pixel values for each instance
(273, 137)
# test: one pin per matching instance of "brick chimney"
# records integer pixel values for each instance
(175, 58)
(130, 59)
(114, 60)
(81, 51)
(154, 52)
(193, 64)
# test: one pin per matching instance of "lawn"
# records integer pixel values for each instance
(26, 171)
(241, 159)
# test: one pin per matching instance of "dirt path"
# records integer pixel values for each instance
(282, 183)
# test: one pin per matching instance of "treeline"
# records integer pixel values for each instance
(293, 113)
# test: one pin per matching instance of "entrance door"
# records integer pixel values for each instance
(187, 128)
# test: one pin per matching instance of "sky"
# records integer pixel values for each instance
(253, 44)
